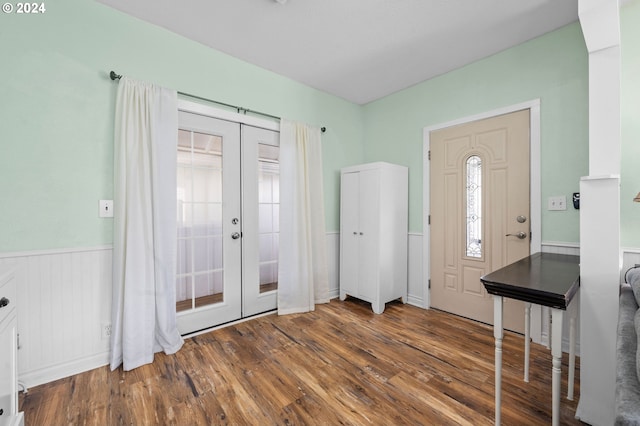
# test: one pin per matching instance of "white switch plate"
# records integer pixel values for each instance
(106, 208)
(558, 202)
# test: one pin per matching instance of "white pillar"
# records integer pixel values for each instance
(600, 215)
(599, 281)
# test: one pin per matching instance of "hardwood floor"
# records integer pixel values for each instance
(341, 364)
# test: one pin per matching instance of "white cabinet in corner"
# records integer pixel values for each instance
(373, 233)
(9, 414)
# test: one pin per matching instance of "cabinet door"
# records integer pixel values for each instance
(349, 226)
(8, 380)
(368, 233)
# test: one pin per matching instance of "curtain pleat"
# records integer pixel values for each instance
(302, 273)
(144, 247)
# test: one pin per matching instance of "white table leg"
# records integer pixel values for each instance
(527, 339)
(556, 353)
(572, 357)
(548, 318)
(573, 307)
(498, 334)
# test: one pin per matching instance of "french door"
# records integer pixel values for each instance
(228, 213)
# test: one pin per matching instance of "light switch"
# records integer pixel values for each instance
(106, 208)
(558, 202)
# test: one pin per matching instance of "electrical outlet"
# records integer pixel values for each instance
(106, 208)
(106, 331)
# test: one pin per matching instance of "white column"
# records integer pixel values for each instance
(599, 282)
(600, 214)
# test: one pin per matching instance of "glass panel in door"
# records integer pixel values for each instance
(269, 215)
(208, 273)
(261, 215)
(199, 192)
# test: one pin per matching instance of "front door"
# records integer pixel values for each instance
(480, 217)
(227, 190)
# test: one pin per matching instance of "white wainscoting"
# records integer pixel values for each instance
(333, 263)
(64, 301)
(416, 288)
(64, 298)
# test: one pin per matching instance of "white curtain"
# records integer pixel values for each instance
(144, 247)
(302, 273)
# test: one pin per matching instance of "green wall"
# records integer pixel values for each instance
(630, 120)
(56, 114)
(56, 125)
(552, 68)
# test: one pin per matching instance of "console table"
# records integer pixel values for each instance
(545, 279)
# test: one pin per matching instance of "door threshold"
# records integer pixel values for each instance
(227, 324)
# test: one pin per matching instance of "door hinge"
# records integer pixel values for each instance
(429, 283)
(429, 155)
(429, 220)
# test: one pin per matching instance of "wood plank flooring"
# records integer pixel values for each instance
(339, 365)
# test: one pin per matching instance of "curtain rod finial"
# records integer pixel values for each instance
(114, 76)
(323, 129)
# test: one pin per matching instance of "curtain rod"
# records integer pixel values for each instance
(115, 76)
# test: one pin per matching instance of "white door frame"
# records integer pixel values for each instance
(535, 192)
(210, 111)
(236, 119)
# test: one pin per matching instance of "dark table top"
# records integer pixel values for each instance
(542, 278)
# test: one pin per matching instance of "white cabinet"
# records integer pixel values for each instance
(373, 233)
(8, 352)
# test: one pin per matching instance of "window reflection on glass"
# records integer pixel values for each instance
(268, 215)
(474, 206)
(199, 271)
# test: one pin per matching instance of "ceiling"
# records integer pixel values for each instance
(359, 50)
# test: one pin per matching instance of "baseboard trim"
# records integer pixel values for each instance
(60, 371)
(333, 293)
(415, 301)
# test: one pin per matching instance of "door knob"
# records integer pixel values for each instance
(4, 302)
(521, 235)
(235, 235)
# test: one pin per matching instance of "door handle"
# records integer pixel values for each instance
(235, 235)
(521, 235)
(4, 302)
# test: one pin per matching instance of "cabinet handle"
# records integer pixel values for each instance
(361, 233)
(355, 233)
(4, 302)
